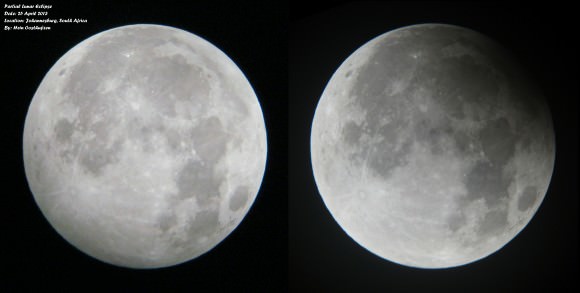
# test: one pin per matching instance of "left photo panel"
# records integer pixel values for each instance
(146, 145)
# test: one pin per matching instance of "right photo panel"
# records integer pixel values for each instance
(429, 148)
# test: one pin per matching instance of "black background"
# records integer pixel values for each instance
(288, 239)
(543, 256)
(254, 255)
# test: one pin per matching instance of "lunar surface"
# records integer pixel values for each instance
(144, 146)
(430, 147)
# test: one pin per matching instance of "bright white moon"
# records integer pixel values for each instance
(430, 147)
(144, 146)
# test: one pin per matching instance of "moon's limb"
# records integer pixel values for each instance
(144, 146)
(430, 148)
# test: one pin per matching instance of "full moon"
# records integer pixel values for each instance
(430, 147)
(144, 146)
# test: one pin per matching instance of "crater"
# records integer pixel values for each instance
(486, 181)
(63, 130)
(528, 198)
(198, 180)
(239, 198)
(205, 224)
(493, 222)
(439, 138)
(210, 140)
(174, 139)
(96, 156)
(167, 220)
(385, 157)
(456, 221)
(497, 141)
(149, 134)
(462, 142)
(351, 132)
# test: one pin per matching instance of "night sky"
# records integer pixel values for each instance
(289, 241)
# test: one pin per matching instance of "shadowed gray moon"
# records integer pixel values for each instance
(144, 146)
(430, 147)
